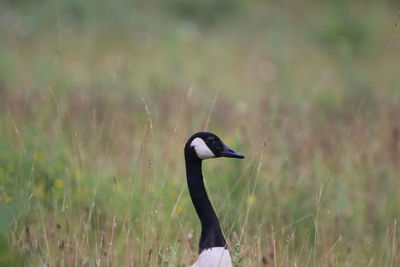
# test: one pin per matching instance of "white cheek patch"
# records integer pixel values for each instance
(201, 149)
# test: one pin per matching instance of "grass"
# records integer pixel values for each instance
(98, 99)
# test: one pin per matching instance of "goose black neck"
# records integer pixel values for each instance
(211, 234)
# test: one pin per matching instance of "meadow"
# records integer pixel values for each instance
(97, 99)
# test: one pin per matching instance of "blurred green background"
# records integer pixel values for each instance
(97, 99)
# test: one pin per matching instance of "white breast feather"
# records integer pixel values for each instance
(214, 257)
(202, 150)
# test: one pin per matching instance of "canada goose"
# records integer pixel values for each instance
(212, 246)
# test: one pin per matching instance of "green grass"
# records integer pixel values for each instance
(97, 99)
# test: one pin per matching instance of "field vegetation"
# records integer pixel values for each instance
(97, 99)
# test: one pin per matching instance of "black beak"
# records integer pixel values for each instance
(230, 153)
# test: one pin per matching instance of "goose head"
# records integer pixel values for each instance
(205, 145)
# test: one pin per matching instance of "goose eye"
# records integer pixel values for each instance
(211, 140)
